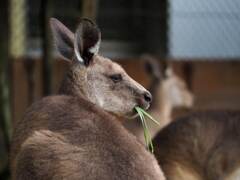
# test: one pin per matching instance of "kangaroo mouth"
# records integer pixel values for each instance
(143, 105)
(133, 114)
(147, 106)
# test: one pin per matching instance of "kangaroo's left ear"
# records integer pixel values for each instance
(63, 39)
(86, 41)
(151, 66)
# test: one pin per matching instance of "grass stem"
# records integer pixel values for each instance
(148, 139)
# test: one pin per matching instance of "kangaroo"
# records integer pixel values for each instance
(201, 146)
(75, 134)
(169, 91)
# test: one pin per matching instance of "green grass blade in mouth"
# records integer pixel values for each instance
(147, 136)
(144, 125)
(149, 116)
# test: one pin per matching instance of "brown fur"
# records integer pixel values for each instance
(203, 146)
(169, 91)
(75, 135)
(54, 141)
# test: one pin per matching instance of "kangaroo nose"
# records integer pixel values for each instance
(147, 97)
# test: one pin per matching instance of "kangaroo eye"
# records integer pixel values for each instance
(116, 77)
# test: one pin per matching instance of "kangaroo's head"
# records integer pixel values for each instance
(93, 77)
(176, 90)
(169, 88)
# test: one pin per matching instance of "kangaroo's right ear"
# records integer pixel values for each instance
(63, 38)
(86, 41)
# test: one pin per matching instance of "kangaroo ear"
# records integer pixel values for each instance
(151, 66)
(87, 41)
(63, 39)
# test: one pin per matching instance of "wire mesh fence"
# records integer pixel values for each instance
(180, 29)
(204, 29)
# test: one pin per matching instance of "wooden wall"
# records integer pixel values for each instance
(216, 85)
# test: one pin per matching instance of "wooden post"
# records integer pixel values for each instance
(89, 9)
(18, 39)
(46, 46)
(18, 28)
(4, 79)
(4, 69)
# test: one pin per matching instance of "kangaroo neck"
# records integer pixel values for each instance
(72, 85)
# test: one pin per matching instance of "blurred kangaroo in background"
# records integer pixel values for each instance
(169, 91)
(75, 134)
(201, 146)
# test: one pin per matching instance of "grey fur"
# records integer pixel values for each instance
(76, 135)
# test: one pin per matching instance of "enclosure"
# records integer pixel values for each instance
(200, 39)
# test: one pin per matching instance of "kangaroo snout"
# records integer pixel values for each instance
(145, 100)
(147, 97)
